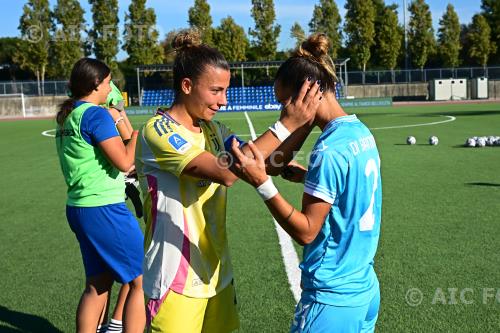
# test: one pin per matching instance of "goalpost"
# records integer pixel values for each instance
(12, 105)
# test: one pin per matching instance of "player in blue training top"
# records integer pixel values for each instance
(339, 224)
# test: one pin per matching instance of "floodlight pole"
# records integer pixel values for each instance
(139, 86)
(346, 80)
(243, 82)
(23, 105)
(406, 37)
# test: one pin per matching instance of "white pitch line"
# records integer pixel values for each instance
(290, 258)
(46, 133)
(450, 119)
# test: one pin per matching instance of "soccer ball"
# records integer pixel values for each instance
(481, 142)
(433, 140)
(471, 142)
(411, 140)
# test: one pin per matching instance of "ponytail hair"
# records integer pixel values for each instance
(64, 110)
(310, 59)
(87, 74)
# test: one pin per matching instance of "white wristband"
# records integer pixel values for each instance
(118, 120)
(280, 131)
(267, 190)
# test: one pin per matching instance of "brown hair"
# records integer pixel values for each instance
(192, 58)
(86, 75)
(310, 59)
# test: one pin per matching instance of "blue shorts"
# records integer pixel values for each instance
(314, 317)
(110, 240)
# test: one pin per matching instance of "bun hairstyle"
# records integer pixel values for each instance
(186, 39)
(87, 74)
(310, 59)
(193, 57)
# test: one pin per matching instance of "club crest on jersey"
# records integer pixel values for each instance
(179, 143)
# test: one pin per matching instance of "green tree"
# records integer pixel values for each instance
(388, 38)
(199, 18)
(8, 68)
(104, 33)
(297, 33)
(67, 43)
(326, 19)
(141, 37)
(166, 44)
(230, 40)
(491, 12)
(360, 30)
(421, 43)
(265, 35)
(481, 47)
(33, 51)
(449, 38)
(8, 46)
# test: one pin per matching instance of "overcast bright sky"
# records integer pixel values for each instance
(174, 14)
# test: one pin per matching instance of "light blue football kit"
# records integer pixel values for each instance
(340, 287)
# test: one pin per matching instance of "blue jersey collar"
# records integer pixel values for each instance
(337, 121)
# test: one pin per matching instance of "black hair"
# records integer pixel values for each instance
(87, 74)
(310, 59)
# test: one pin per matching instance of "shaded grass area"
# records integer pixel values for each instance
(440, 228)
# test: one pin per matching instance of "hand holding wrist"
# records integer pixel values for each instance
(266, 189)
(280, 131)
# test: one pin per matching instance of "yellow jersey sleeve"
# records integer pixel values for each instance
(172, 149)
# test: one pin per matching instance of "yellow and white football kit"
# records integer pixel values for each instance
(187, 269)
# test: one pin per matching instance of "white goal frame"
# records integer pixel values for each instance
(23, 104)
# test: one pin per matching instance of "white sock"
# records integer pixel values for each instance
(115, 326)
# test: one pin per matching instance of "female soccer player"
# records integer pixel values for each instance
(115, 104)
(187, 269)
(339, 223)
(91, 155)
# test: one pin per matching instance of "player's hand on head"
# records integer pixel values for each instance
(251, 169)
(301, 109)
(294, 172)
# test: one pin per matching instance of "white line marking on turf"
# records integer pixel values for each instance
(46, 133)
(450, 119)
(290, 258)
(250, 127)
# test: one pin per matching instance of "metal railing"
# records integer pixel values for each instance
(59, 88)
(30, 88)
(418, 76)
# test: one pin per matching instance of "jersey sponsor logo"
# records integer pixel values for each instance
(65, 132)
(179, 143)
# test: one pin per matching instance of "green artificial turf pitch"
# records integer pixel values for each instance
(440, 227)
